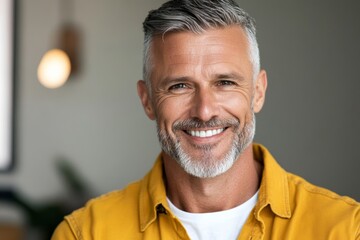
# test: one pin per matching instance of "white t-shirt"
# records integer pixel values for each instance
(215, 225)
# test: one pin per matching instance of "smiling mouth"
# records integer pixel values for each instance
(205, 133)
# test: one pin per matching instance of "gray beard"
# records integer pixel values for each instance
(207, 166)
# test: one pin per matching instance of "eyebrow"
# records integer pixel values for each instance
(231, 76)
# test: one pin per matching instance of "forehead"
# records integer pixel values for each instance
(178, 50)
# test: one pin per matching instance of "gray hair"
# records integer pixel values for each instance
(197, 16)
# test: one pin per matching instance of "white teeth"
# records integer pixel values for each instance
(207, 133)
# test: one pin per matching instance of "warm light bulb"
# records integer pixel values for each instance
(54, 68)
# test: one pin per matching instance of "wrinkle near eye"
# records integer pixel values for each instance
(161, 95)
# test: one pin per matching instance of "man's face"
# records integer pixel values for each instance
(203, 98)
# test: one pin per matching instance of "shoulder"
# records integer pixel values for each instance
(322, 207)
(112, 203)
(120, 207)
(303, 190)
(114, 200)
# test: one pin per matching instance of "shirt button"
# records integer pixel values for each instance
(160, 209)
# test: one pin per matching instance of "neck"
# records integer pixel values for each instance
(226, 191)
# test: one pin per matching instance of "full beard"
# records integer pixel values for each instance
(206, 166)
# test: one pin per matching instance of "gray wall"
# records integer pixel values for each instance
(310, 120)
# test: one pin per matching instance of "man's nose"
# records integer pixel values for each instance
(205, 105)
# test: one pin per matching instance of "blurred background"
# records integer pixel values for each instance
(90, 136)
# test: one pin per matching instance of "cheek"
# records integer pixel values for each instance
(237, 104)
(169, 110)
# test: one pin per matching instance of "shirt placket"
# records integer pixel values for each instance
(170, 227)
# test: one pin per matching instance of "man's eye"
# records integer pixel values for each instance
(177, 86)
(226, 83)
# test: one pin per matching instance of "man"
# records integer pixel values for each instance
(202, 85)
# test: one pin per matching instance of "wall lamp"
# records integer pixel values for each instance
(61, 62)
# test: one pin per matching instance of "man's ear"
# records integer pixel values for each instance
(260, 90)
(144, 96)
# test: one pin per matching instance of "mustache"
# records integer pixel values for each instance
(192, 123)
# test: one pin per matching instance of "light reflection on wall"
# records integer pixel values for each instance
(6, 80)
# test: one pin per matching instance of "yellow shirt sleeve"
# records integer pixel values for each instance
(63, 231)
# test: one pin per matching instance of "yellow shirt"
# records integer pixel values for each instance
(288, 208)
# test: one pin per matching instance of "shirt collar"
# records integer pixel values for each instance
(274, 190)
(152, 195)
